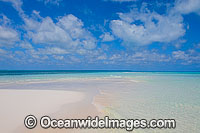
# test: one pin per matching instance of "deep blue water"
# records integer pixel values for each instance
(36, 72)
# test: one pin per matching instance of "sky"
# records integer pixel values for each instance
(138, 35)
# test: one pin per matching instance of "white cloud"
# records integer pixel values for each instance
(187, 57)
(5, 55)
(74, 59)
(8, 35)
(26, 45)
(52, 51)
(116, 57)
(187, 6)
(190, 56)
(106, 37)
(68, 32)
(43, 53)
(58, 57)
(4, 20)
(74, 27)
(55, 2)
(16, 4)
(66, 38)
(148, 56)
(47, 32)
(180, 55)
(145, 27)
(102, 57)
(179, 43)
(139, 57)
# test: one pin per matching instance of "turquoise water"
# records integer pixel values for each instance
(155, 95)
(161, 95)
(6, 75)
(9, 76)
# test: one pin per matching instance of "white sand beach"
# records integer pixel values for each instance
(17, 104)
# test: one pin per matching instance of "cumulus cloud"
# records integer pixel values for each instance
(16, 4)
(187, 6)
(64, 36)
(55, 2)
(139, 57)
(58, 57)
(187, 57)
(145, 27)
(55, 52)
(148, 56)
(45, 53)
(102, 57)
(67, 32)
(8, 35)
(180, 55)
(4, 55)
(106, 37)
(52, 51)
(47, 32)
(26, 45)
(4, 20)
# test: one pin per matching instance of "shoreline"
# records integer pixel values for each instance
(17, 104)
(143, 97)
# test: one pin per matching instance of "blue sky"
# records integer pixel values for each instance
(139, 35)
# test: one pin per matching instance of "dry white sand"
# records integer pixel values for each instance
(15, 105)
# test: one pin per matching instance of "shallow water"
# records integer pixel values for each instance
(161, 96)
(138, 95)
